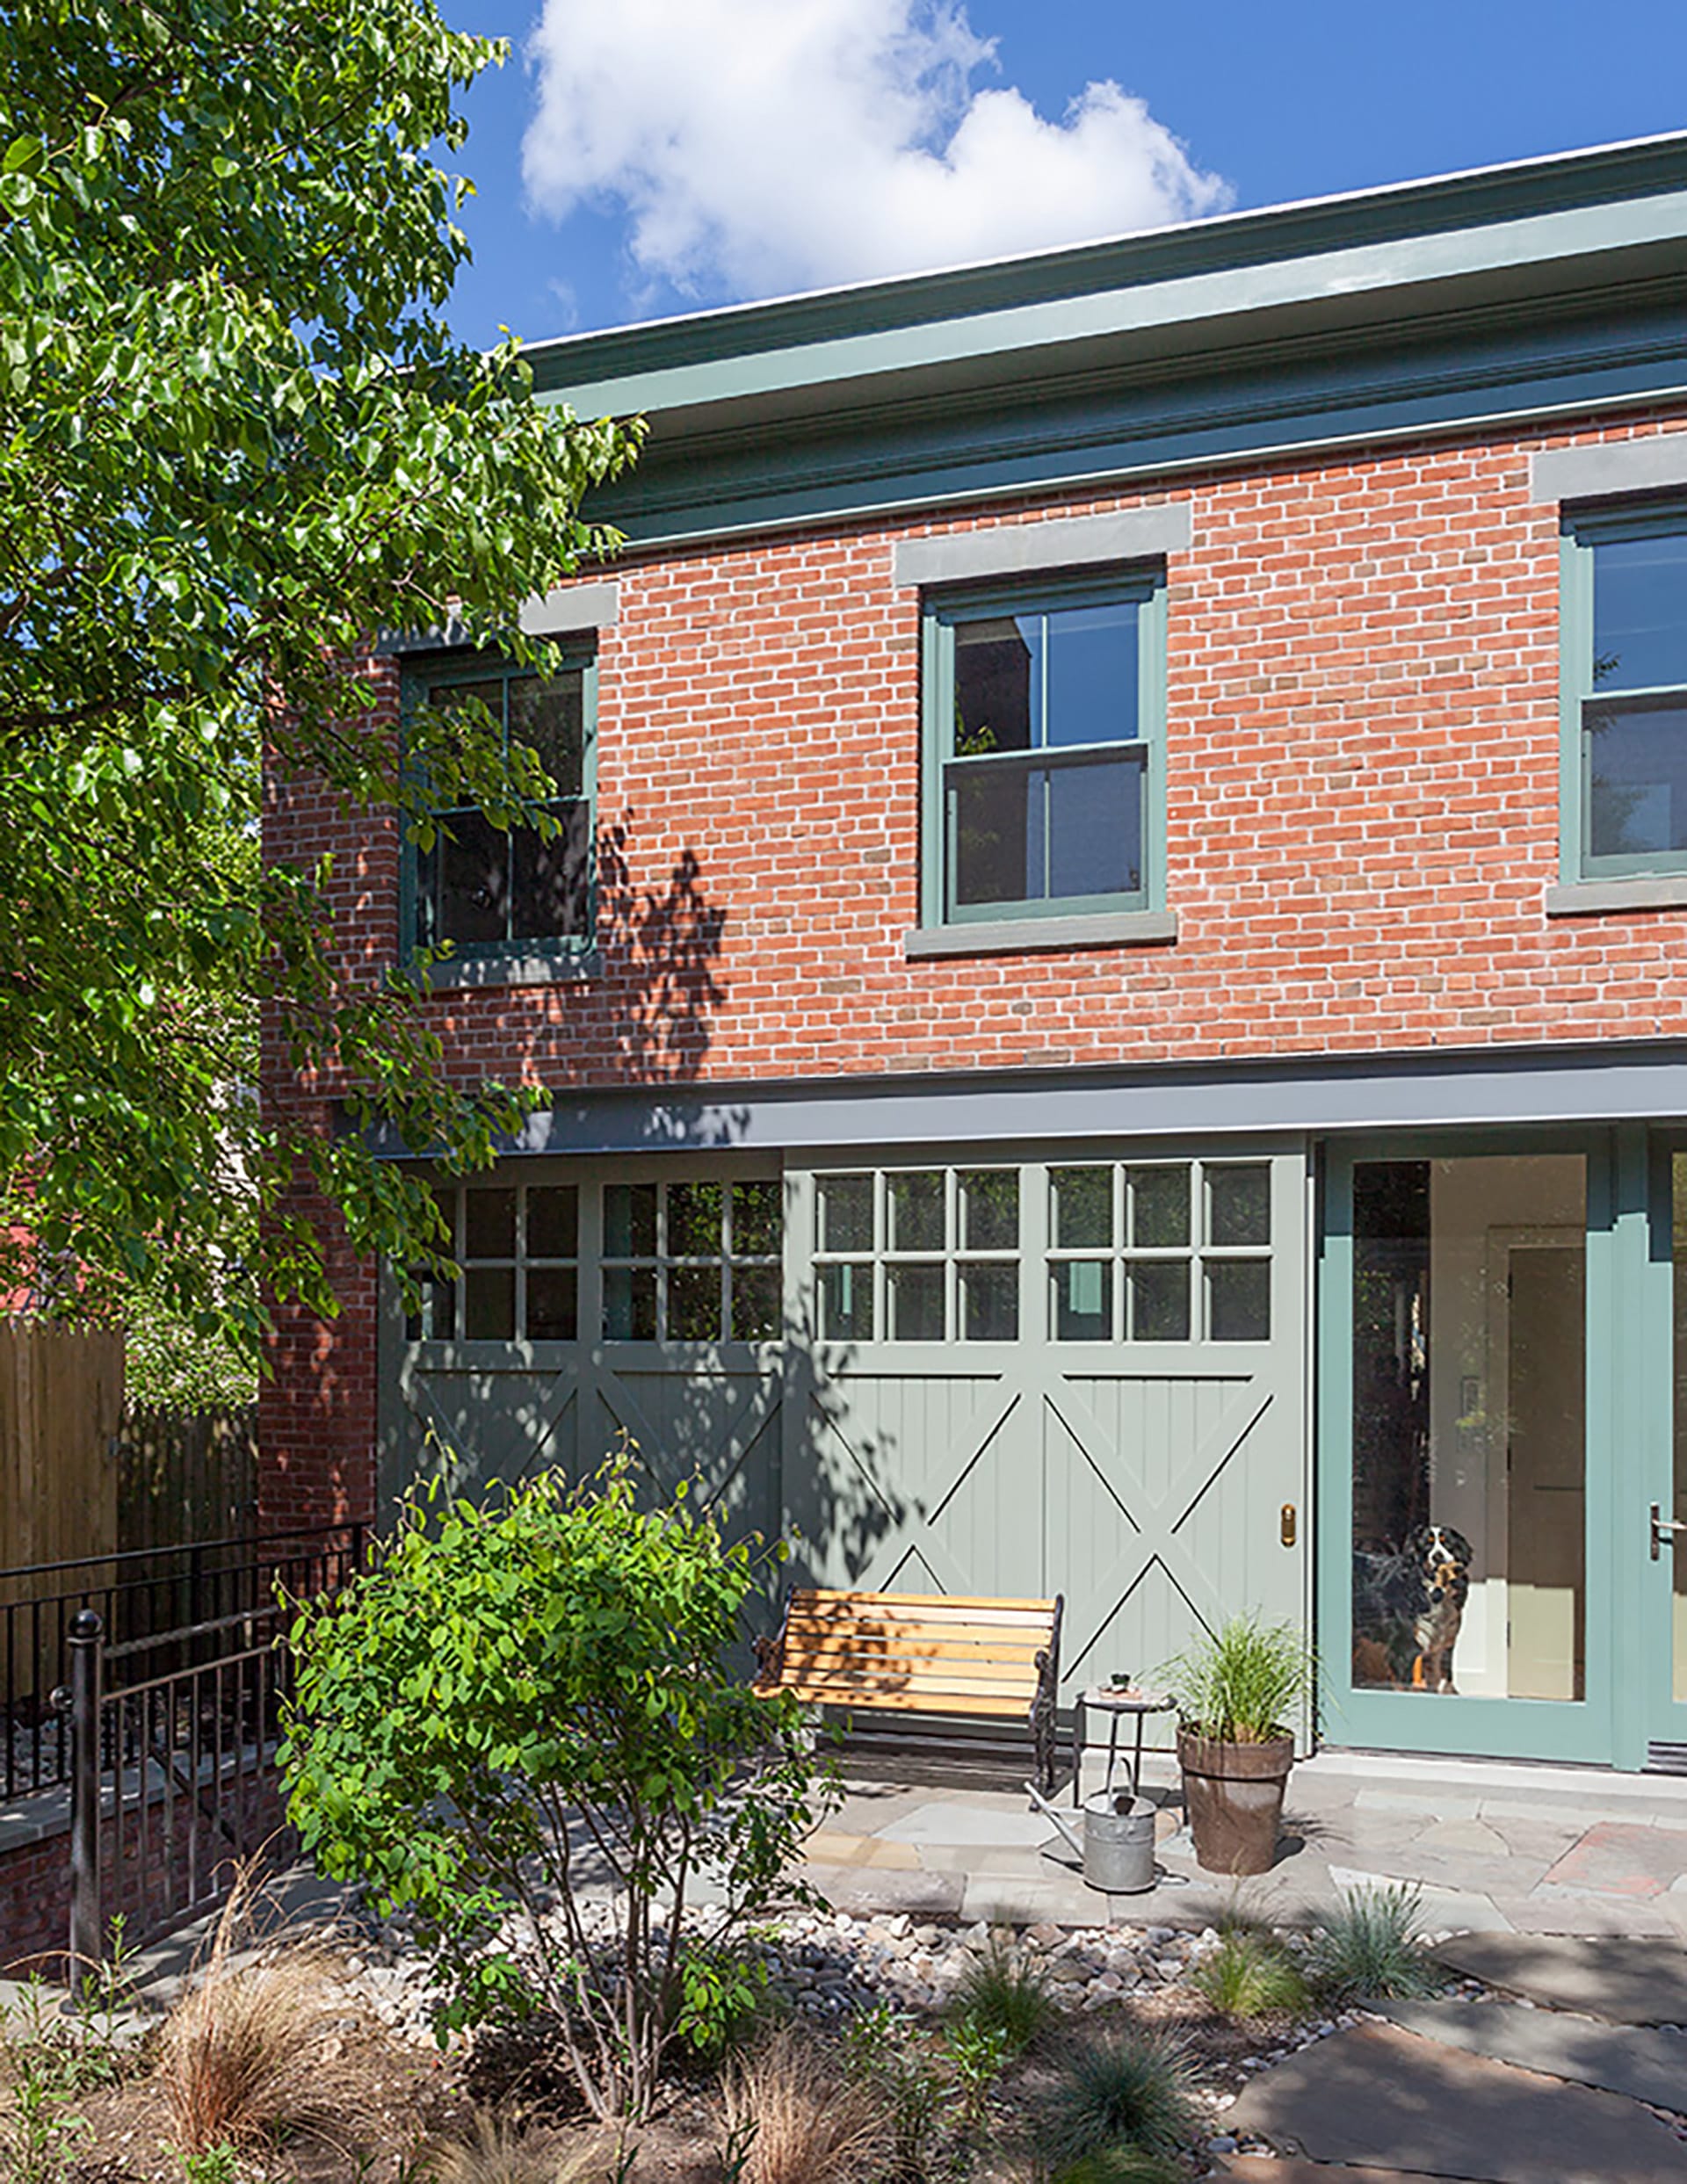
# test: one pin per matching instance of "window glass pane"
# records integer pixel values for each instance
(553, 1305)
(757, 1309)
(1238, 1300)
(1159, 1294)
(1636, 779)
(990, 1301)
(630, 1304)
(1159, 1200)
(758, 1220)
(490, 1303)
(989, 1210)
(995, 823)
(1469, 1426)
(488, 1224)
(1095, 828)
(550, 718)
(1092, 682)
(694, 1304)
(452, 697)
(1639, 612)
(427, 895)
(474, 861)
(552, 892)
(846, 1303)
(437, 1320)
(845, 1212)
(1083, 1206)
(694, 1219)
(1238, 1205)
(997, 680)
(1083, 1300)
(553, 1221)
(916, 1212)
(916, 1303)
(630, 1220)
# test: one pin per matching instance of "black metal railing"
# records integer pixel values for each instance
(165, 1598)
(175, 1787)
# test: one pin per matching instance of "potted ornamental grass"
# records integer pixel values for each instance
(1236, 1690)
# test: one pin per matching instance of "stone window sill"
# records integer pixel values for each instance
(1589, 897)
(461, 972)
(1013, 936)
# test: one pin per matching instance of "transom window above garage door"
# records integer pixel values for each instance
(690, 1261)
(1172, 1251)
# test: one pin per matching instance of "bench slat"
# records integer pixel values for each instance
(923, 1599)
(913, 1702)
(884, 1636)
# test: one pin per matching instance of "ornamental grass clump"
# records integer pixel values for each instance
(1250, 1974)
(1373, 1945)
(1242, 1683)
(556, 1667)
(1007, 1992)
(789, 2116)
(1129, 2091)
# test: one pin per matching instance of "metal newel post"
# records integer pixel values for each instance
(87, 1652)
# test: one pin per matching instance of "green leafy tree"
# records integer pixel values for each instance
(525, 1699)
(236, 438)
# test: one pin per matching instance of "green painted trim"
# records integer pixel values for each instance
(1581, 533)
(1567, 215)
(579, 950)
(1448, 1723)
(940, 612)
(1653, 1396)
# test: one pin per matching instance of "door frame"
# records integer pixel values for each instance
(1650, 1590)
(1596, 1729)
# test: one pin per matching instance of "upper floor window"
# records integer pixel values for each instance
(1043, 793)
(491, 891)
(1625, 692)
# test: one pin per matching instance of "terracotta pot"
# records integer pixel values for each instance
(1232, 1794)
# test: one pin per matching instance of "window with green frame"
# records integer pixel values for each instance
(1044, 711)
(492, 891)
(1625, 667)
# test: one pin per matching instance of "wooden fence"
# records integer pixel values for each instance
(61, 1406)
(185, 1475)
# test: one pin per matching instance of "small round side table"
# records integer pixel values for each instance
(1118, 1705)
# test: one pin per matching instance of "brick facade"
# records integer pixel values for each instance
(1361, 769)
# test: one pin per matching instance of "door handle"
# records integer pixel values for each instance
(1663, 1530)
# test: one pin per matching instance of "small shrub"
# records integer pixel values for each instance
(723, 1993)
(1128, 2085)
(217, 2164)
(788, 2117)
(42, 2138)
(1372, 1945)
(1250, 1974)
(1007, 1992)
(558, 1659)
(976, 2055)
(881, 2050)
(239, 2059)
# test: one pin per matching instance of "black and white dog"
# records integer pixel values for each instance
(1408, 1607)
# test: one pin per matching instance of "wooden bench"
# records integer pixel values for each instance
(920, 1653)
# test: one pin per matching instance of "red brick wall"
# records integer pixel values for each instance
(1362, 769)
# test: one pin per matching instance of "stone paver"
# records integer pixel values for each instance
(828, 1847)
(1263, 2169)
(1616, 1859)
(863, 1889)
(966, 1824)
(1379, 2095)
(1631, 1979)
(1644, 2064)
(1443, 1909)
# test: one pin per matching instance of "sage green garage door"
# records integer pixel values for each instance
(1081, 1374)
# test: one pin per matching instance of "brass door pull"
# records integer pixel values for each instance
(1288, 1524)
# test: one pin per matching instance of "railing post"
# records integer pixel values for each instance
(87, 1652)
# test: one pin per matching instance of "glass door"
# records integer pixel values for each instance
(1661, 1535)
(1463, 1601)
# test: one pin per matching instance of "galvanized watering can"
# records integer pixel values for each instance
(1116, 1846)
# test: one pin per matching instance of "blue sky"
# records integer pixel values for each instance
(639, 158)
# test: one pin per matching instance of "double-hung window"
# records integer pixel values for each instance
(494, 892)
(1626, 693)
(1043, 706)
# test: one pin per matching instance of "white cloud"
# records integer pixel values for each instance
(760, 146)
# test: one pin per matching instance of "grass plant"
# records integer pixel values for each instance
(497, 2150)
(1122, 2165)
(788, 2117)
(1007, 1992)
(1250, 1974)
(1130, 2088)
(1372, 1944)
(1241, 1684)
(239, 2058)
